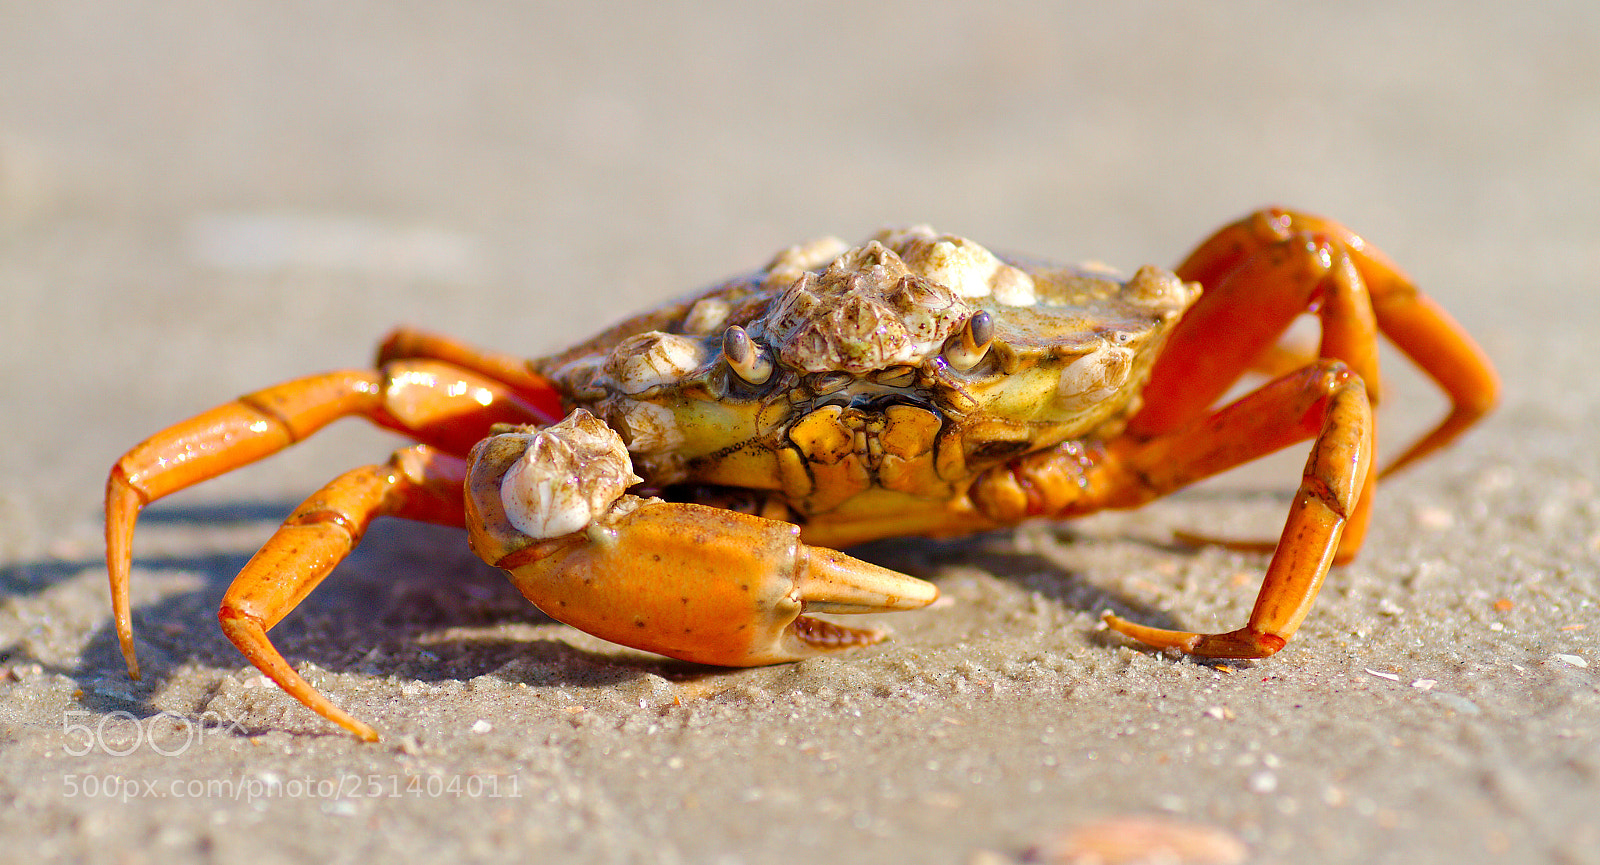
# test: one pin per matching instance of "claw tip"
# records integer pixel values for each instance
(1156, 638)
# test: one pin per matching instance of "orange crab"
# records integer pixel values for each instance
(714, 450)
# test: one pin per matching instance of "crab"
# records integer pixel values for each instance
(679, 483)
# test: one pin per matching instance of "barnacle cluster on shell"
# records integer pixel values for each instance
(969, 269)
(653, 359)
(898, 300)
(571, 473)
(890, 313)
(865, 311)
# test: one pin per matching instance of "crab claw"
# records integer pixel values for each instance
(687, 581)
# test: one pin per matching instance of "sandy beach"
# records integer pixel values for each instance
(198, 200)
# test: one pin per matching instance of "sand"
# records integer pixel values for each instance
(198, 200)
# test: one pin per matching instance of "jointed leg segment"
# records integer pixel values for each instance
(1259, 274)
(1266, 269)
(1324, 402)
(1326, 398)
(418, 483)
(429, 400)
(508, 370)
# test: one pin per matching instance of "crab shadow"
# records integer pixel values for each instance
(380, 613)
(996, 554)
(412, 602)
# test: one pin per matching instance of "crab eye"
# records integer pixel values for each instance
(967, 348)
(746, 360)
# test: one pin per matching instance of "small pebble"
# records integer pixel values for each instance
(1138, 839)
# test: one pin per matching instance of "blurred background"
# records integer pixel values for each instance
(201, 198)
(197, 198)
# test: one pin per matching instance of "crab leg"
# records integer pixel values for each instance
(1263, 271)
(1432, 339)
(409, 344)
(1335, 477)
(1254, 303)
(1240, 316)
(417, 483)
(430, 401)
(1325, 401)
(1259, 274)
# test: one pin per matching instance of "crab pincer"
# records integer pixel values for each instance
(688, 581)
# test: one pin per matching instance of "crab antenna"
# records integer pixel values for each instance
(969, 346)
(745, 359)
